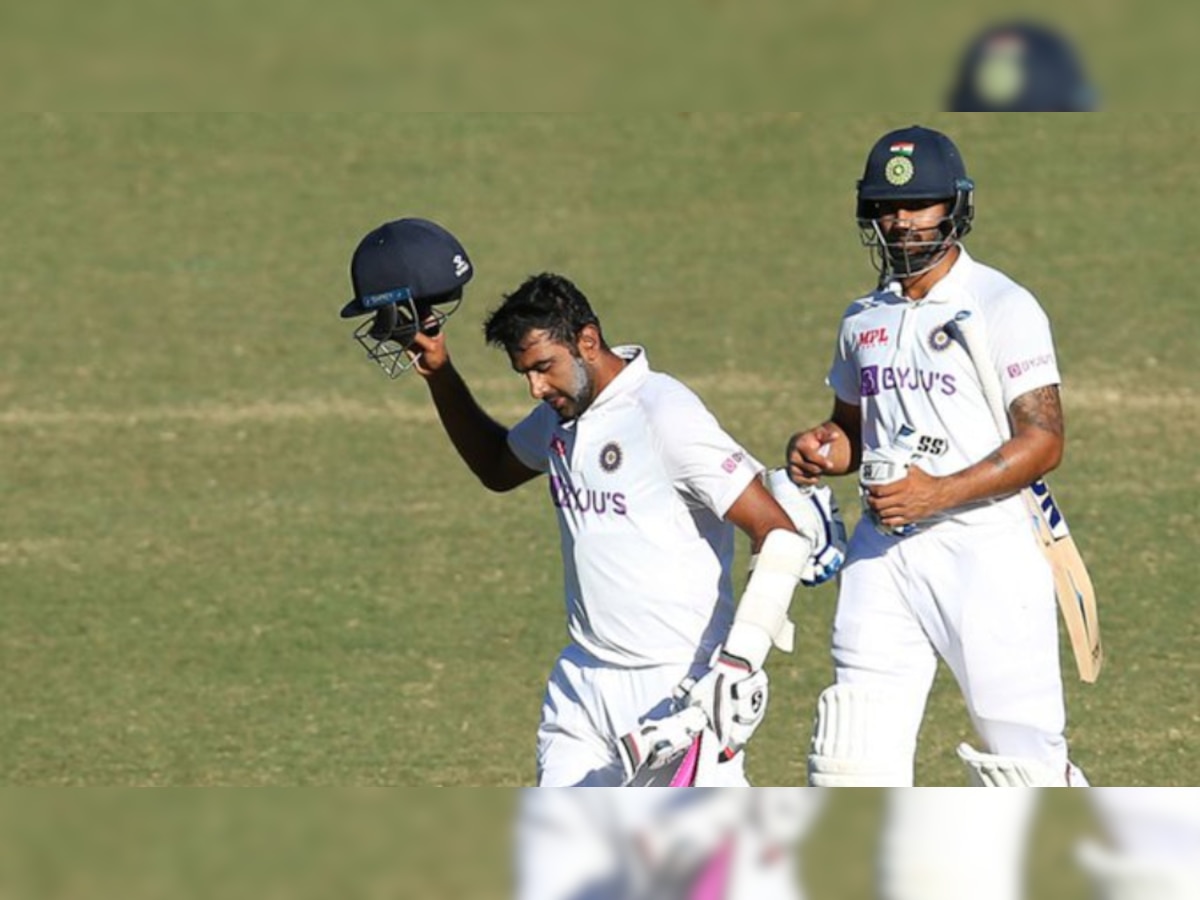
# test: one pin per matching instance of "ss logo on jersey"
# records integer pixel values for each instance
(932, 446)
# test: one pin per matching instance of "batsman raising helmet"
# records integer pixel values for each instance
(408, 275)
(944, 561)
(647, 489)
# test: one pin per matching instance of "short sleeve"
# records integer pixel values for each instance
(530, 438)
(1022, 345)
(700, 457)
(843, 374)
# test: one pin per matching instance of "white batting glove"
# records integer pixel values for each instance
(815, 514)
(660, 742)
(733, 697)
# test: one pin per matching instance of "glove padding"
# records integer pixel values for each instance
(814, 511)
(733, 697)
(660, 742)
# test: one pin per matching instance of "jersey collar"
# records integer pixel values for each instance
(637, 367)
(952, 283)
(945, 290)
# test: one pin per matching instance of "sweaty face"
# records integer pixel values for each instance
(556, 373)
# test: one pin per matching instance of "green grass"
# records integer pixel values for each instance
(367, 844)
(233, 554)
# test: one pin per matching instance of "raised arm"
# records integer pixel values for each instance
(480, 440)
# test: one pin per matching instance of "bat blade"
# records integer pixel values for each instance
(1077, 604)
(1072, 584)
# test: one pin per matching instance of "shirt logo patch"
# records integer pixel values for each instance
(899, 170)
(730, 465)
(939, 339)
(872, 337)
(875, 379)
(583, 500)
(1016, 370)
(611, 456)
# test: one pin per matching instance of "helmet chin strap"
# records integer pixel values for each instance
(388, 335)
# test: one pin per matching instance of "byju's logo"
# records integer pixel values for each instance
(876, 379)
(585, 500)
(1016, 370)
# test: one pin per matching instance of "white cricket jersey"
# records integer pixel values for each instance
(895, 359)
(641, 482)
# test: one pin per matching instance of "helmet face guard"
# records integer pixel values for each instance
(388, 335)
(905, 259)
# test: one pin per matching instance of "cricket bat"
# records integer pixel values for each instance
(1072, 584)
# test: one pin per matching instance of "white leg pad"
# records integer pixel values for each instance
(1116, 877)
(860, 739)
(987, 770)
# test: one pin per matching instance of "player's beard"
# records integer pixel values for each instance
(581, 392)
(910, 253)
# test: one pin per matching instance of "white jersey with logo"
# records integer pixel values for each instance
(895, 359)
(641, 482)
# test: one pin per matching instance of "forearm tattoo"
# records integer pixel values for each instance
(1041, 409)
(998, 460)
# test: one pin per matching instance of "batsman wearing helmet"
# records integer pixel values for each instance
(647, 488)
(944, 562)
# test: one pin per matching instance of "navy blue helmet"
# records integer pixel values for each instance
(912, 165)
(408, 275)
(1021, 67)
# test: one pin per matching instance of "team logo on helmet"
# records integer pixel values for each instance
(1000, 77)
(611, 456)
(939, 339)
(899, 170)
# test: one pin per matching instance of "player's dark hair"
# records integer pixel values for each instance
(546, 302)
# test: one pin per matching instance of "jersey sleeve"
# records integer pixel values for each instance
(843, 374)
(529, 439)
(1021, 344)
(700, 457)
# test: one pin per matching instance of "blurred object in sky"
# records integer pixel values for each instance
(1021, 67)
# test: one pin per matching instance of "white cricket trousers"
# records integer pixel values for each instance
(589, 705)
(979, 596)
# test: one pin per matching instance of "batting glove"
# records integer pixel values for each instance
(815, 513)
(658, 743)
(733, 697)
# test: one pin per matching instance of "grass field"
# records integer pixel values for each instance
(232, 553)
(374, 844)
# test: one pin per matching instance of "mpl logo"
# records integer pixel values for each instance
(872, 337)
